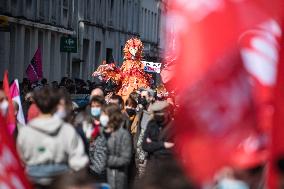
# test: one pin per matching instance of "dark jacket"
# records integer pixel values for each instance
(119, 157)
(158, 134)
(98, 157)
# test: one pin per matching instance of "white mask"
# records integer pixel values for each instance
(60, 114)
(104, 119)
(4, 107)
(232, 184)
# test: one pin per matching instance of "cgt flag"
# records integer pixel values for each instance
(34, 69)
(12, 174)
(218, 118)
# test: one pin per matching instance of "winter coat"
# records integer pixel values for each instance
(98, 156)
(141, 155)
(158, 134)
(48, 147)
(119, 157)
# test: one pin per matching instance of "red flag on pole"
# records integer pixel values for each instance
(277, 132)
(34, 69)
(218, 117)
(12, 173)
(10, 117)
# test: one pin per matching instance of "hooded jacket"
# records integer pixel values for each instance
(48, 146)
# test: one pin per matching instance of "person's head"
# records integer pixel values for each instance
(3, 103)
(96, 104)
(16, 108)
(97, 92)
(64, 106)
(44, 81)
(111, 117)
(116, 99)
(55, 84)
(161, 112)
(75, 180)
(134, 95)
(130, 106)
(46, 100)
(146, 97)
(167, 170)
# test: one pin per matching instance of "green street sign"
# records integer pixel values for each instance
(68, 44)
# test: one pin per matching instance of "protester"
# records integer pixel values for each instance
(98, 153)
(158, 137)
(33, 110)
(55, 84)
(145, 101)
(97, 92)
(48, 146)
(78, 180)
(131, 109)
(116, 99)
(64, 108)
(18, 124)
(119, 147)
(89, 126)
(167, 175)
(3, 103)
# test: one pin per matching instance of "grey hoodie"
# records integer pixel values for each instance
(50, 141)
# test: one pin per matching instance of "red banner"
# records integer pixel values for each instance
(11, 172)
(218, 123)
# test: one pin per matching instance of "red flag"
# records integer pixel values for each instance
(217, 119)
(10, 117)
(12, 173)
(277, 133)
(34, 69)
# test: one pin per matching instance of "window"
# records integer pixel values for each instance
(88, 9)
(44, 9)
(54, 8)
(29, 4)
(40, 40)
(27, 56)
(152, 26)
(97, 53)
(109, 56)
(111, 13)
(13, 3)
(65, 12)
(52, 58)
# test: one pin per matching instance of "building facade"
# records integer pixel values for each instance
(101, 28)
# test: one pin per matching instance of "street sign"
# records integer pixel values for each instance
(68, 44)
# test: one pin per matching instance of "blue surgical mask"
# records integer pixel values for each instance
(96, 112)
(232, 184)
(104, 119)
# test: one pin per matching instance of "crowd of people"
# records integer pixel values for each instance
(111, 140)
(109, 143)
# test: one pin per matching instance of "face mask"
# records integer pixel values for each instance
(130, 112)
(104, 119)
(4, 107)
(232, 184)
(143, 101)
(96, 112)
(60, 114)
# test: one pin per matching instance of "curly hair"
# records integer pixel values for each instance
(115, 116)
